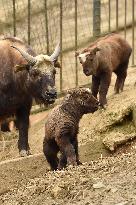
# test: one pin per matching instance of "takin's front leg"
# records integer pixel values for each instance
(104, 86)
(63, 158)
(62, 161)
(75, 144)
(22, 116)
(67, 150)
(95, 85)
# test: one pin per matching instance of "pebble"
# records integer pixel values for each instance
(98, 185)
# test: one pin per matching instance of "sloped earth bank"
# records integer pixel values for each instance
(107, 181)
(104, 178)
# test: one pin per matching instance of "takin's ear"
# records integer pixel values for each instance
(21, 67)
(95, 50)
(74, 92)
(71, 91)
(77, 53)
(57, 64)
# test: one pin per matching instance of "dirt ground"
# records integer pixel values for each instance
(103, 179)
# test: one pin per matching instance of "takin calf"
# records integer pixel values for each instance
(106, 55)
(8, 125)
(62, 126)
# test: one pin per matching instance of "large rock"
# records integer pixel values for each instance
(110, 128)
(113, 140)
(126, 131)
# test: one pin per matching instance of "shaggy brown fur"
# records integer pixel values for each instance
(106, 55)
(62, 126)
(17, 90)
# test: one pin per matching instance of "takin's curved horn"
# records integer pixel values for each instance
(30, 59)
(56, 53)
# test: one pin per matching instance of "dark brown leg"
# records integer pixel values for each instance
(67, 149)
(119, 85)
(121, 76)
(50, 150)
(23, 125)
(62, 161)
(123, 81)
(95, 85)
(104, 86)
(75, 144)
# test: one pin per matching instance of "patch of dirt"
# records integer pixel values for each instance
(105, 178)
(107, 181)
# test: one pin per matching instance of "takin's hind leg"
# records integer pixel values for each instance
(50, 150)
(119, 85)
(124, 75)
(121, 76)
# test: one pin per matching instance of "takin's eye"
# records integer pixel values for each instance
(80, 62)
(34, 72)
(89, 58)
(87, 97)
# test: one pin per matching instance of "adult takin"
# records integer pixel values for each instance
(24, 76)
(61, 128)
(104, 56)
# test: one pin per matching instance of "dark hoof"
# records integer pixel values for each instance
(79, 163)
(28, 152)
(62, 166)
(116, 92)
(103, 107)
(72, 163)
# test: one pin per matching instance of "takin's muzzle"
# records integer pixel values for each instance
(50, 95)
